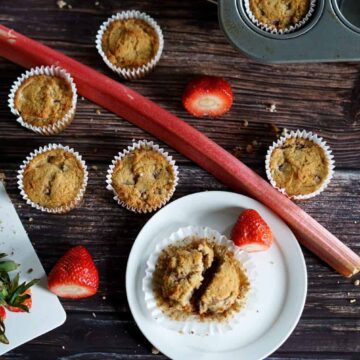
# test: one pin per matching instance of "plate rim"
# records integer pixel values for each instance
(296, 243)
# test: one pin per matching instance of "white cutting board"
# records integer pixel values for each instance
(46, 313)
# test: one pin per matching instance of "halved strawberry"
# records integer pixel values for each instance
(251, 233)
(207, 96)
(75, 275)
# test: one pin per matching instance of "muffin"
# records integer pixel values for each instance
(130, 43)
(199, 278)
(53, 179)
(300, 165)
(45, 100)
(198, 282)
(143, 178)
(279, 14)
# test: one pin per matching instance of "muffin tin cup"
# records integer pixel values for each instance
(62, 209)
(60, 125)
(138, 145)
(273, 30)
(193, 325)
(137, 72)
(317, 140)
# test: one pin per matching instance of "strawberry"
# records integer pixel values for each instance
(3, 338)
(251, 233)
(75, 275)
(26, 302)
(16, 298)
(207, 96)
(2, 313)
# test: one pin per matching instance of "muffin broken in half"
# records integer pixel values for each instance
(199, 277)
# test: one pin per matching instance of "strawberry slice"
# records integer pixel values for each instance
(75, 275)
(207, 96)
(251, 233)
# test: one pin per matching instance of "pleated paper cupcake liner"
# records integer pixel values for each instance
(193, 325)
(61, 209)
(317, 140)
(272, 29)
(59, 125)
(137, 72)
(138, 145)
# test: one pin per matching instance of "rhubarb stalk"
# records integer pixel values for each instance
(144, 113)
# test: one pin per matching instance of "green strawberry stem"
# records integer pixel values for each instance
(8, 265)
(3, 338)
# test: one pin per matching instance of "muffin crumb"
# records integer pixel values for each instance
(61, 4)
(155, 351)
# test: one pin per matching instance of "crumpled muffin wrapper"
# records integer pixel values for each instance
(58, 126)
(304, 135)
(274, 30)
(136, 72)
(192, 325)
(62, 209)
(121, 155)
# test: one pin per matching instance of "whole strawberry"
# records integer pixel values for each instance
(207, 96)
(75, 275)
(251, 233)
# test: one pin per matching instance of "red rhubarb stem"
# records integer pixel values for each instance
(144, 113)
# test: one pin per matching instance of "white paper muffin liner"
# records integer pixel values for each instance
(138, 145)
(272, 29)
(309, 136)
(62, 209)
(193, 325)
(137, 72)
(59, 125)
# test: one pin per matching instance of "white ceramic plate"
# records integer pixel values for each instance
(281, 281)
(46, 312)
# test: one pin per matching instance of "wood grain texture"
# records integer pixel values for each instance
(319, 97)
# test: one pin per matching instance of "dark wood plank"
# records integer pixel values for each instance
(318, 97)
(328, 314)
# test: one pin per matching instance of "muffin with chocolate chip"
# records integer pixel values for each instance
(44, 99)
(53, 180)
(279, 14)
(300, 166)
(143, 179)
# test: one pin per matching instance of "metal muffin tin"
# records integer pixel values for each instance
(331, 34)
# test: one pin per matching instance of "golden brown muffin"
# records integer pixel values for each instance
(199, 278)
(279, 14)
(299, 166)
(53, 178)
(43, 100)
(222, 290)
(130, 43)
(143, 179)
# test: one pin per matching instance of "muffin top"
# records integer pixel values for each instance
(43, 100)
(53, 178)
(279, 14)
(299, 166)
(130, 43)
(143, 178)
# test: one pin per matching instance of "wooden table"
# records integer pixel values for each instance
(317, 97)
